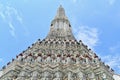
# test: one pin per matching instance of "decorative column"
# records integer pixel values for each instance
(58, 75)
(70, 76)
(35, 75)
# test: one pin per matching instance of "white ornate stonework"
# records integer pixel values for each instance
(57, 57)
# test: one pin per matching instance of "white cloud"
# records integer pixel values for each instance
(111, 2)
(6, 13)
(11, 11)
(115, 48)
(12, 29)
(112, 61)
(9, 15)
(88, 35)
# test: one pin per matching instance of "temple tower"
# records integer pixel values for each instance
(60, 27)
(57, 57)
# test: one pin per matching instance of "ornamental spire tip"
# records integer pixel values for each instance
(60, 12)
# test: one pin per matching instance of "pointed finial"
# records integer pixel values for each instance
(60, 12)
(60, 6)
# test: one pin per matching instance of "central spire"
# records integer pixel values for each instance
(60, 12)
(60, 26)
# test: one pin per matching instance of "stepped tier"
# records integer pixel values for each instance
(55, 59)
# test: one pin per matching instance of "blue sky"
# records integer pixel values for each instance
(95, 22)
